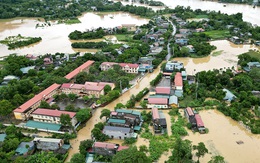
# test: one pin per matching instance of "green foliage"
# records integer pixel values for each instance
(129, 141)
(77, 35)
(201, 150)
(78, 158)
(178, 127)
(105, 113)
(97, 133)
(89, 45)
(72, 96)
(141, 94)
(47, 157)
(65, 120)
(131, 102)
(217, 159)
(84, 146)
(130, 155)
(83, 114)
(45, 105)
(156, 80)
(71, 107)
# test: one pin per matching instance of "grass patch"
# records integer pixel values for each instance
(201, 16)
(72, 21)
(124, 37)
(218, 34)
(217, 53)
(254, 54)
(189, 101)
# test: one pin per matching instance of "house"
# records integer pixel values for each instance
(190, 115)
(229, 95)
(178, 84)
(159, 121)
(47, 61)
(23, 112)
(155, 50)
(52, 116)
(107, 149)
(8, 78)
(84, 67)
(31, 57)
(129, 27)
(163, 90)
(185, 31)
(181, 42)
(129, 68)
(191, 79)
(146, 60)
(235, 40)
(191, 48)
(251, 65)
(25, 70)
(2, 137)
(107, 65)
(200, 30)
(25, 148)
(172, 65)
(184, 75)
(199, 124)
(145, 68)
(173, 101)
(88, 89)
(119, 132)
(157, 102)
(180, 36)
(48, 144)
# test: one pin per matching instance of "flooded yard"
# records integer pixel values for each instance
(226, 58)
(224, 133)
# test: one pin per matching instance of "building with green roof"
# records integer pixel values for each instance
(43, 125)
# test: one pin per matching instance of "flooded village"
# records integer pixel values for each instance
(149, 86)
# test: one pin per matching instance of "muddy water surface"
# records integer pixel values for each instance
(222, 137)
(55, 37)
(226, 59)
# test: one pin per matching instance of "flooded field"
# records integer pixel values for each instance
(55, 37)
(222, 139)
(227, 57)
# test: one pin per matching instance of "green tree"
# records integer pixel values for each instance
(63, 96)
(217, 159)
(107, 88)
(45, 105)
(72, 96)
(201, 150)
(85, 98)
(5, 107)
(65, 120)
(119, 106)
(78, 158)
(83, 114)
(84, 146)
(70, 107)
(43, 157)
(144, 104)
(131, 155)
(105, 113)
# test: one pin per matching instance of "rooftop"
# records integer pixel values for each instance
(116, 121)
(53, 113)
(104, 145)
(173, 100)
(178, 79)
(162, 101)
(189, 111)
(79, 69)
(43, 125)
(2, 137)
(199, 120)
(47, 140)
(155, 113)
(129, 65)
(120, 129)
(163, 90)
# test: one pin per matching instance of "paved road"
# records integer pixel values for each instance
(168, 45)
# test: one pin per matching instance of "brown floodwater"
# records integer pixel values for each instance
(55, 37)
(222, 139)
(226, 59)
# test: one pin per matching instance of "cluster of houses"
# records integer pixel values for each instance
(251, 65)
(43, 144)
(123, 123)
(159, 121)
(195, 120)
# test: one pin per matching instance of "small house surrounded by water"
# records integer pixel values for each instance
(119, 132)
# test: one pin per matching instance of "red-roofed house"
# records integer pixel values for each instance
(107, 65)
(178, 81)
(163, 90)
(129, 68)
(103, 148)
(157, 103)
(84, 67)
(120, 148)
(52, 116)
(200, 124)
(87, 89)
(23, 112)
(155, 113)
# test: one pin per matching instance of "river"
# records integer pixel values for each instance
(55, 37)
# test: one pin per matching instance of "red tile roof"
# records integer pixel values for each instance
(36, 98)
(50, 89)
(155, 113)
(178, 79)
(53, 113)
(104, 145)
(120, 148)
(28, 104)
(162, 101)
(79, 69)
(109, 63)
(66, 85)
(163, 90)
(190, 111)
(129, 65)
(199, 121)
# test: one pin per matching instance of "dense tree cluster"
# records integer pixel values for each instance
(89, 45)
